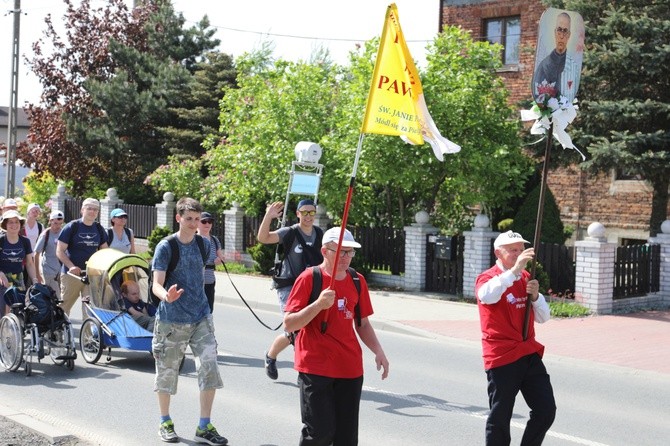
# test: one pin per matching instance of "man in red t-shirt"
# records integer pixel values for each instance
(513, 364)
(330, 362)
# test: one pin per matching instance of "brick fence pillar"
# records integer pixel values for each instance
(321, 219)
(594, 270)
(58, 200)
(415, 251)
(476, 252)
(234, 234)
(107, 204)
(663, 239)
(165, 211)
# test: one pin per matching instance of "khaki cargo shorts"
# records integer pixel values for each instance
(169, 345)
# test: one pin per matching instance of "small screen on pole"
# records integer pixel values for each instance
(305, 183)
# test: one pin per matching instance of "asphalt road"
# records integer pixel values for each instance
(435, 395)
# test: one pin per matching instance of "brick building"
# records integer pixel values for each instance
(621, 203)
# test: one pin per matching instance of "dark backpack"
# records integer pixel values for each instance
(41, 301)
(110, 235)
(317, 284)
(174, 259)
(311, 255)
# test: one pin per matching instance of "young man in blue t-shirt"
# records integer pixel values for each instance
(77, 242)
(183, 319)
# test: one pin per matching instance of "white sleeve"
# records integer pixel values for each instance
(541, 309)
(491, 291)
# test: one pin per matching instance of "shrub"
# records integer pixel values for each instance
(541, 276)
(360, 264)
(504, 225)
(158, 234)
(264, 256)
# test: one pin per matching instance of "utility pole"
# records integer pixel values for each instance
(13, 104)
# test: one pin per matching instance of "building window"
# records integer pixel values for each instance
(628, 181)
(507, 32)
(627, 175)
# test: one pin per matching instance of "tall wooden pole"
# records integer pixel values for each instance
(538, 224)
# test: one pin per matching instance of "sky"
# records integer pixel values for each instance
(296, 28)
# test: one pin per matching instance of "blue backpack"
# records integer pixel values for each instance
(40, 303)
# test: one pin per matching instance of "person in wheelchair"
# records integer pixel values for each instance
(15, 251)
(142, 312)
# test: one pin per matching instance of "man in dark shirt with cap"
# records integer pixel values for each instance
(303, 252)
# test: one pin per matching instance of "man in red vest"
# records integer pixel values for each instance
(513, 364)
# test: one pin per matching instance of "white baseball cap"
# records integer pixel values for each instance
(56, 214)
(508, 238)
(333, 235)
(32, 206)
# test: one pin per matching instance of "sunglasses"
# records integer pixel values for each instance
(206, 222)
(306, 213)
(125, 217)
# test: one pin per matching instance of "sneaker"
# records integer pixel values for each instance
(167, 432)
(209, 436)
(271, 367)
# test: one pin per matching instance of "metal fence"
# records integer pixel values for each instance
(250, 227)
(142, 219)
(637, 270)
(72, 209)
(444, 270)
(382, 248)
(219, 228)
(558, 262)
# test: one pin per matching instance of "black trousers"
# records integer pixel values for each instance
(329, 408)
(209, 292)
(528, 376)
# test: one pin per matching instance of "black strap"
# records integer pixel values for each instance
(46, 241)
(174, 253)
(317, 284)
(245, 302)
(110, 235)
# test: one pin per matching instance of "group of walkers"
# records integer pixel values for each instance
(325, 305)
(56, 255)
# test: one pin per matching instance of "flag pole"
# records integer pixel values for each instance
(538, 224)
(345, 216)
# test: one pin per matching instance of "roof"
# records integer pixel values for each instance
(21, 117)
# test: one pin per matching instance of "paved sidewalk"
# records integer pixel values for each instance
(637, 340)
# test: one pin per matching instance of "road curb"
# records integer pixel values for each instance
(51, 433)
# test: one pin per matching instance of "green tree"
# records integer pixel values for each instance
(552, 230)
(273, 107)
(277, 105)
(624, 118)
(110, 88)
(198, 117)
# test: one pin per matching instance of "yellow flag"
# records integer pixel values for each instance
(396, 105)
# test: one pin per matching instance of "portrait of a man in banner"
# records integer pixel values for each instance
(558, 57)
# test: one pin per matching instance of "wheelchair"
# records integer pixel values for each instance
(36, 326)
